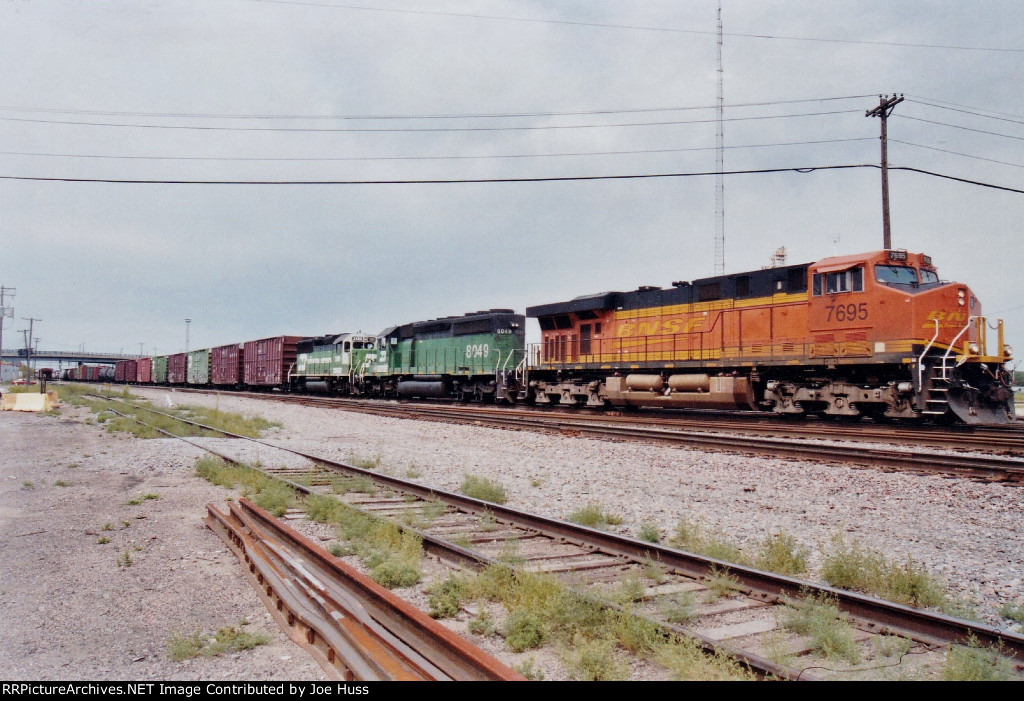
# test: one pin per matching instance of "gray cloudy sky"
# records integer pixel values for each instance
(299, 91)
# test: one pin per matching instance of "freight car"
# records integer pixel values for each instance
(876, 334)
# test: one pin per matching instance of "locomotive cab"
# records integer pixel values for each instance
(890, 309)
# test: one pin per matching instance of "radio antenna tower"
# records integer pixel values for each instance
(720, 160)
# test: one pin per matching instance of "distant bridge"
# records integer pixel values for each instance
(65, 357)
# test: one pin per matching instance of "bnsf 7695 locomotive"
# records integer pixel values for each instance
(877, 334)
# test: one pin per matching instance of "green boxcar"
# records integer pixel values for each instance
(198, 372)
(476, 356)
(334, 364)
(160, 369)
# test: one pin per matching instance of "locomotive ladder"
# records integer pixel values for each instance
(936, 389)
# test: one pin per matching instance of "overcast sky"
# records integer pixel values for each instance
(251, 90)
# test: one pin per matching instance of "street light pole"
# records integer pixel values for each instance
(188, 322)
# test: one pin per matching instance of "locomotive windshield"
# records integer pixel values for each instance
(896, 274)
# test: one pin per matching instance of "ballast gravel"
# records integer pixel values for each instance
(72, 609)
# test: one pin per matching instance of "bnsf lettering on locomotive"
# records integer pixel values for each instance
(654, 328)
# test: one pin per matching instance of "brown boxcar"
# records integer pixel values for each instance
(268, 360)
(144, 374)
(177, 368)
(226, 365)
(119, 368)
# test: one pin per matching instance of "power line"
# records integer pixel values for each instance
(967, 111)
(469, 181)
(929, 100)
(436, 181)
(419, 129)
(468, 115)
(956, 153)
(959, 126)
(504, 18)
(429, 158)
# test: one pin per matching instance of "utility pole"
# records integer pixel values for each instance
(720, 159)
(886, 104)
(4, 313)
(28, 345)
(188, 322)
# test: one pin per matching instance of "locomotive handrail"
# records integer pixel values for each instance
(920, 360)
(956, 338)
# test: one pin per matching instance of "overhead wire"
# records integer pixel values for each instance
(708, 32)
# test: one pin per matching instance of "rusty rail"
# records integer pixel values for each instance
(353, 627)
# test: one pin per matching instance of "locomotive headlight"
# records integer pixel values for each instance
(1007, 351)
(973, 349)
(960, 297)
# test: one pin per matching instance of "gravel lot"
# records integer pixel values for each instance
(72, 612)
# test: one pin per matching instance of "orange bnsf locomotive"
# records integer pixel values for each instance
(876, 335)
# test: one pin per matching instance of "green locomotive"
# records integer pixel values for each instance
(475, 357)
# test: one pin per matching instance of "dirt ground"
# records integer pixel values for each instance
(72, 607)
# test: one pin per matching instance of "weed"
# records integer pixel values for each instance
(510, 554)
(594, 516)
(538, 483)
(395, 574)
(61, 483)
(124, 560)
(338, 550)
(524, 630)
(481, 624)
(655, 570)
(649, 532)
(693, 537)
(370, 463)
(487, 522)
(150, 496)
(719, 583)
(686, 661)
(781, 553)
(463, 540)
(1015, 612)
(445, 597)
(413, 472)
(631, 589)
(528, 670)
(275, 497)
(27, 484)
(892, 645)
(852, 566)
(678, 608)
(107, 527)
(182, 647)
(483, 488)
(777, 649)
(595, 660)
(103, 540)
(73, 465)
(133, 502)
(830, 633)
(636, 634)
(974, 663)
(433, 509)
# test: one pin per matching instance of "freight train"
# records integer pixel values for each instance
(877, 334)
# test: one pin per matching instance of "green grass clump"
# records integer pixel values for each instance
(102, 540)
(649, 532)
(182, 646)
(974, 663)
(720, 583)
(595, 661)
(594, 516)
(850, 565)
(124, 560)
(528, 669)
(781, 553)
(1015, 612)
(61, 483)
(244, 425)
(686, 661)
(820, 619)
(524, 630)
(445, 597)
(275, 497)
(693, 537)
(481, 624)
(483, 488)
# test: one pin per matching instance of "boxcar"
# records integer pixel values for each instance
(177, 368)
(268, 361)
(159, 370)
(145, 371)
(226, 365)
(198, 371)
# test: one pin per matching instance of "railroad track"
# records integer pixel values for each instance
(785, 442)
(726, 608)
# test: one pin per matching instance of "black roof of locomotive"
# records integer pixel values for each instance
(472, 322)
(759, 283)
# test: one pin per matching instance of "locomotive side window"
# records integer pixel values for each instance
(929, 276)
(895, 274)
(851, 280)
